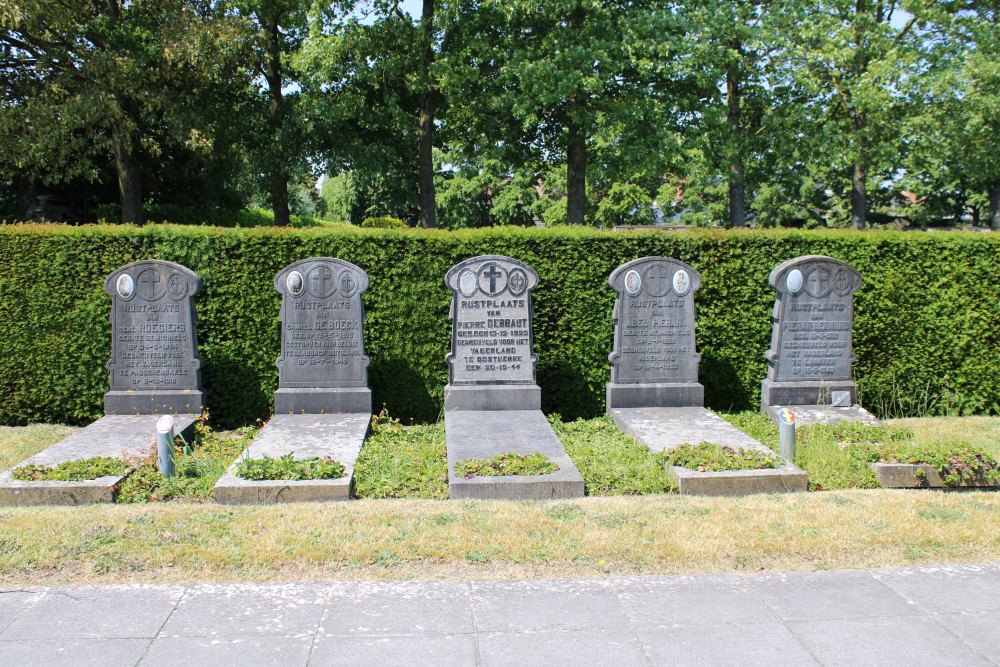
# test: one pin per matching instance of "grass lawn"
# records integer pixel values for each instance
(398, 529)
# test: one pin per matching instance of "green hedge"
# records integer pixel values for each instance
(927, 330)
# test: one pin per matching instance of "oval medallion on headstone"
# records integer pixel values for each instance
(633, 282)
(517, 282)
(294, 283)
(176, 286)
(794, 281)
(348, 285)
(125, 286)
(467, 283)
(682, 282)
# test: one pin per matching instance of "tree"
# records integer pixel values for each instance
(84, 83)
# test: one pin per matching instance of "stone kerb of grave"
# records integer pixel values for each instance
(492, 363)
(809, 362)
(323, 367)
(154, 366)
(654, 362)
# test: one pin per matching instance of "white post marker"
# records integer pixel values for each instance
(786, 434)
(165, 445)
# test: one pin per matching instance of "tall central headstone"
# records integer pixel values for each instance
(154, 350)
(492, 362)
(323, 405)
(323, 366)
(809, 363)
(492, 404)
(654, 362)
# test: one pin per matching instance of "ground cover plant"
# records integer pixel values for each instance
(957, 463)
(289, 468)
(399, 461)
(611, 462)
(712, 457)
(72, 471)
(505, 465)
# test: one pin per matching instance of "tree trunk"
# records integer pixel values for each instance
(428, 103)
(129, 181)
(995, 207)
(576, 176)
(737, 187)
(859, 198)
(278, 168)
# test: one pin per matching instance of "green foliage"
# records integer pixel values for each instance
(196, 469)
(710, 457)
(288, 467)
(402, 462)
(925, 331)
(71, 471)
(506, 465)
(611, 463)
(383, 222)
(956, 462)
(625, 204)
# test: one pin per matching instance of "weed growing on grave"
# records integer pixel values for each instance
(289, 468)
(402, 461)
(611, 463)
(197, 468)
(710, 457)
(71, 471)
(958, 463)
(506, 465)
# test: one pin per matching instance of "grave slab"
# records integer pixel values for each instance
(492, 401)
(323, 405)
(484, 434)
(335, 435)
(113, 435)
(924, 476)
(662, 429)
(806, 415)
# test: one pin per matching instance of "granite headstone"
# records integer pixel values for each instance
(323, 367)
(810, 359)
(654, 362)
(155, 367)
(492, 362)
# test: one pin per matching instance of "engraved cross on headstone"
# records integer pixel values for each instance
(319, 277)
(492, 274)
(147, 284)
(818, 281)
(659, 277)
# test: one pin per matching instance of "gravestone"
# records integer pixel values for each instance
(654, 394)
(322, 407)
(654, 362)
(154, 369)
(809, 362)
(492, 363)
(323, 366)
(492, 402)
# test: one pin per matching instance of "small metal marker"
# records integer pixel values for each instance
(786, 434)
(165, 445)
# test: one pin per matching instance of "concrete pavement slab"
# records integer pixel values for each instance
(239, 610)
(72, 652)
(96, 612)
(238, 652)
(690, 600)
(904, 641)
(947, 588)
(834, 594)
(398, 608)
(585, 648)
(980, 630)
(13, 603)
(544, 605)
(747, 644)
(398, 651)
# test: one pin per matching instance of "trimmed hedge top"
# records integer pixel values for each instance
(926, 332)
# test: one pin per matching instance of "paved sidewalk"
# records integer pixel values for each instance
(934, 616)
